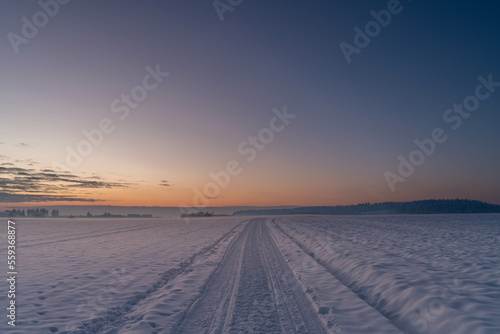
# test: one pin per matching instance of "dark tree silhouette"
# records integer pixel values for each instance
(431, 206)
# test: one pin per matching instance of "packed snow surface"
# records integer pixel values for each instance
(283, 274)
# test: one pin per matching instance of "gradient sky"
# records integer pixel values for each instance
(353, 120)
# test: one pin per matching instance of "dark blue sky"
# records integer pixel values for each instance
(353, 120)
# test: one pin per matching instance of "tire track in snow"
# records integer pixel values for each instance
(249, 293)
(232, 298)
(295, 312)
(213, 309)
(337, 277)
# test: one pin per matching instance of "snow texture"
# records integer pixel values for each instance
(283, 274)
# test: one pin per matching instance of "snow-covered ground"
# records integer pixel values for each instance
(425, 274)
(285, 274)
(76, 270)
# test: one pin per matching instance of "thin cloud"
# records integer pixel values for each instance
(24, 145)
(18, 198)
(19, 184)
(164, 183)
(28, 162)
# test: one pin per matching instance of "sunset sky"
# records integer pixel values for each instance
(233, 78)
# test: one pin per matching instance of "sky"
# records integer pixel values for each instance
(203, 103)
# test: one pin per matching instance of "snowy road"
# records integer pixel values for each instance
(252, 291)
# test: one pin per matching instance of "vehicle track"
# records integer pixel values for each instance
(251, 292)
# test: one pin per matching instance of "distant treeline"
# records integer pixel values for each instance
(30, 213)
(44, 213)
(201, 214)
(109, 215)
(431, 206)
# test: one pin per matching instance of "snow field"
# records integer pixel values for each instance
(284, 274)
(426, 274)
(72, 271)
